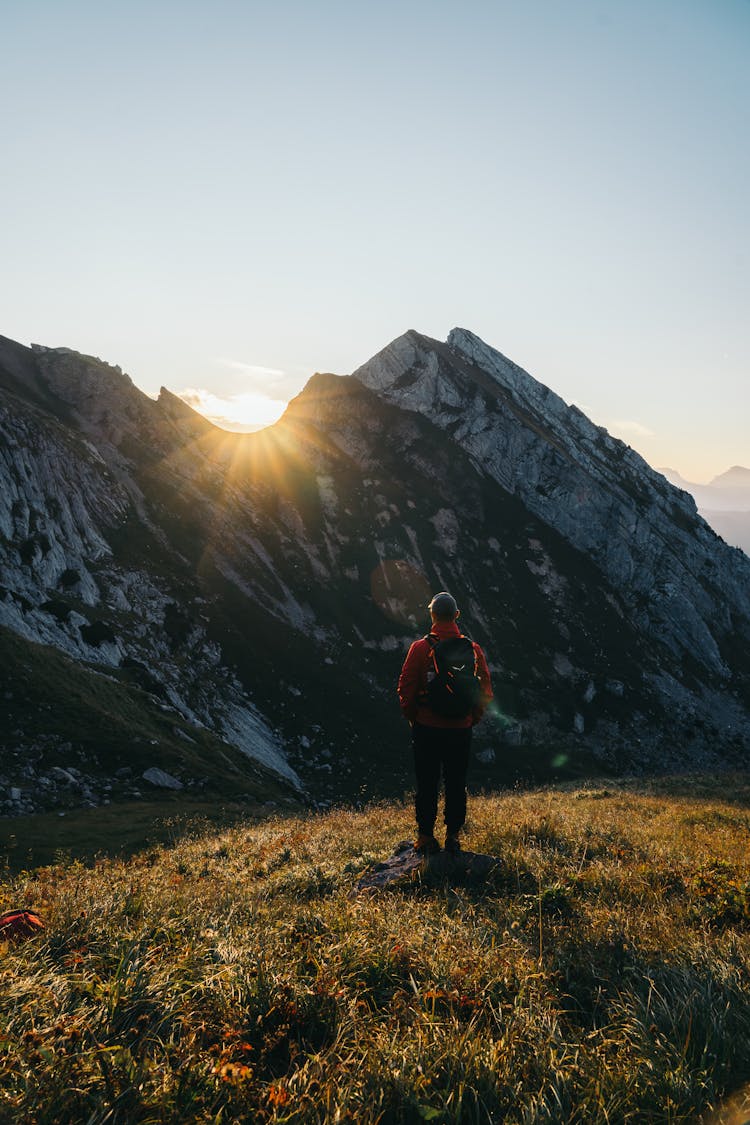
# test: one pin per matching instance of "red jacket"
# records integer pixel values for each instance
(412, 683)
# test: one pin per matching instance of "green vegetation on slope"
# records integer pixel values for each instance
(601, 976)
(51, 701)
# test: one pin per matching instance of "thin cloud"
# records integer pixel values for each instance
(631, 428)
(277, 384)
(622, 427)
(251, 369)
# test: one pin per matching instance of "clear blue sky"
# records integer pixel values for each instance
(228, 196)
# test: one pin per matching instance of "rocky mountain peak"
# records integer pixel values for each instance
(508, 375)
(644, 535)
(76, 377)
(325, 385)
(385, 371)
(422, 374)
(258, 592)
(99, 397)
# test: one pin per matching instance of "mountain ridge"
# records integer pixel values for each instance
(736, 476)
(724, 503)
(584, 456)
(266, 585)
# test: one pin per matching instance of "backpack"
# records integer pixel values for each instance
(453, 689)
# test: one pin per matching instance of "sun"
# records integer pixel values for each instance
(244, 412)
(249, 411)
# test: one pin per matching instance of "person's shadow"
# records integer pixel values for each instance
(408, 865)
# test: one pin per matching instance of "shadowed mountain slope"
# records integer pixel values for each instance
(264, 587)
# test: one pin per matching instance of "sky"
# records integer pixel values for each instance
(226, 197)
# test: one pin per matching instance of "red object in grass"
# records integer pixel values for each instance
(17, 925)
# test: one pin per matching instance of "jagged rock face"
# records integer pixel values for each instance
(265, 587)
(681, 584)
(79, 549)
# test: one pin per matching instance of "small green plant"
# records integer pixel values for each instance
(723, 895)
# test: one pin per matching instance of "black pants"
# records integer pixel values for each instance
(439, 751)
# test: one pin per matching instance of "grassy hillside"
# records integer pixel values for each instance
(58, 712)
(601, 977)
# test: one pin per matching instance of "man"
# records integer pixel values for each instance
(441, 727)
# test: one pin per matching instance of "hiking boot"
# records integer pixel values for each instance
(428, 845)
(452, 843)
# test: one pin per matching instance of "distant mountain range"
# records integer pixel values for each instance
(724, 503)
(227, 613)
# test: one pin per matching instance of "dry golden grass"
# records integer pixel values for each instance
(600, 977)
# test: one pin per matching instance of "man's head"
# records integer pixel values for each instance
(443, 607)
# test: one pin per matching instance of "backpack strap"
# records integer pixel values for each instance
(432, 641)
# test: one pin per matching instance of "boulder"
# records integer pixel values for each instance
(161, 779)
